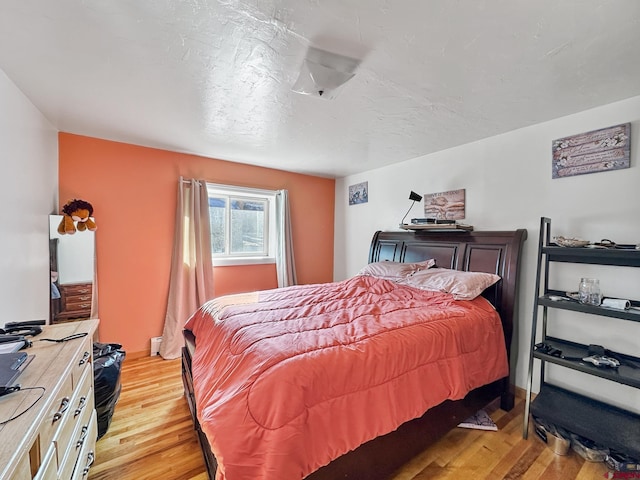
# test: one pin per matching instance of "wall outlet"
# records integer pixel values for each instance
(155, 345)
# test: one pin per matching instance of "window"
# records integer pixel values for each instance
(242, 225)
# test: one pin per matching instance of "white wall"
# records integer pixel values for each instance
(29, 165)
(508, 185)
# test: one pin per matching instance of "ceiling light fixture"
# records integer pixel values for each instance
(323, 73)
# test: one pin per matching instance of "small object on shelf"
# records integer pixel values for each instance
(414, 197)
(606, 243)
(422, 221)
(618, 303)
(589, 291)
(602, 361)
(587, 449)
(622, 463)
(556, 439)
(437, 227)
(548, 349)
(570, 242)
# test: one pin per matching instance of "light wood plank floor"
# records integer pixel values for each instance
(151, 437)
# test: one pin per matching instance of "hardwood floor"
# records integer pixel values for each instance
(151, 437)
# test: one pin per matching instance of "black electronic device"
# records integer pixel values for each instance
(27, 323)
(6, 338)
(29, 328)
(428, 221)
(420, 221)
(13, 343)
(24, 331)
(11, 366)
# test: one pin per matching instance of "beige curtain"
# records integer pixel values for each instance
(191, 282)
(285, 262)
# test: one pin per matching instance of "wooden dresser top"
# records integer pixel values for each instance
(52, 362)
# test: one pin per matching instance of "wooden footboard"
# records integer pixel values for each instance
(378, 459)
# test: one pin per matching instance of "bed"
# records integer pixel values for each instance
(371, 458)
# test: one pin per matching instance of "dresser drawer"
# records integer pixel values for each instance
(77, 305)
(81, 400)
(23, 469)
(83, 433)
(88, 451)
(77, 289)
(78, 298)
(83, 361)
(49, 467)
(57, 414)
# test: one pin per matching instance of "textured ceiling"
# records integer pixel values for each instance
(214, 78)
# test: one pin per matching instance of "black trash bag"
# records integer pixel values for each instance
(107, 364)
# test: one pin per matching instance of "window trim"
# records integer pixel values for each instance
(249, 259)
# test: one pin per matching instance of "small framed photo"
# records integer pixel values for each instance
(359, 193)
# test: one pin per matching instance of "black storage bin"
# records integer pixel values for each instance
(107, 365)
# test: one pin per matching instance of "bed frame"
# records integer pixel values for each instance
(378, 459)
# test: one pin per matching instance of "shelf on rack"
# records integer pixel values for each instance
(628, 373)
(604, 424)
(599, 256)
(632, 314)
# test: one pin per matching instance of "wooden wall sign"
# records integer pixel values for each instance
(591, 152)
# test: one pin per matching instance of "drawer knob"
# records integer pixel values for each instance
(90, 459)
(64, 405)
(81, 404)
(85, 357)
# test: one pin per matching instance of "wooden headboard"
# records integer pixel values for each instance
(492, 252)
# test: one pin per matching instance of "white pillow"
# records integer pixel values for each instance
(462, 285)
(395, 270)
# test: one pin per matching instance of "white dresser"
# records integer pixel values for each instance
(55, 439)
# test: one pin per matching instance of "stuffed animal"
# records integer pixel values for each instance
(76, 211)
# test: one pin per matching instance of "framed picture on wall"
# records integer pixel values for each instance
(592, 152)
(445, 205)
(359, 193)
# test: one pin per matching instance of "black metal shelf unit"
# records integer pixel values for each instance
(598, 421)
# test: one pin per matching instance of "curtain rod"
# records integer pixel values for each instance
(220, 186)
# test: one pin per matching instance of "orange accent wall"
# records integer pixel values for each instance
(133, 191)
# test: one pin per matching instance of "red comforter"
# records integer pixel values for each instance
(288, 379)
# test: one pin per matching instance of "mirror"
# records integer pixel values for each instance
(71, 259)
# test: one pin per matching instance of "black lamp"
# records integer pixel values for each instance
(416, 198)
